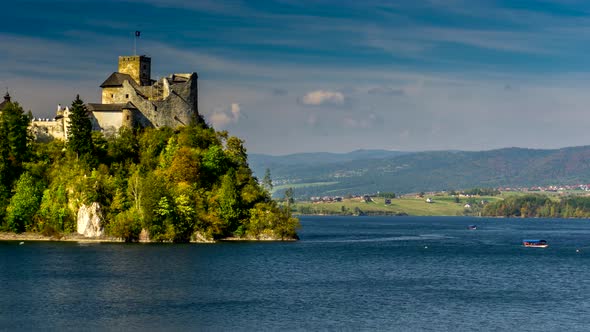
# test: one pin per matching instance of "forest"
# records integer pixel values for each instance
(175, 185)
(541, 206)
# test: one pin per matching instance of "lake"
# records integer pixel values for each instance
(346, 273)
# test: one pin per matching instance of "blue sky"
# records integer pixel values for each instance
(300, 76)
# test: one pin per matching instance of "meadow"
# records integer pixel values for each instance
(439, 205)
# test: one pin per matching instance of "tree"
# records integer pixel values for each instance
(267, 181)
(269, 219)
(126, 225)
(80, 129)
(184, 223)
(124, 146)
(148, 195)
(53, 212)
(215, 162)
(15, 142)
(286, 225)
(229, 201)
(289, 196)
(24, 204)
(386, 194)
(236, 151)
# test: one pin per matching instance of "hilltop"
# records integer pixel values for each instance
(357, 173)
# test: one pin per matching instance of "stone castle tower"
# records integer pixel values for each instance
(139, 67)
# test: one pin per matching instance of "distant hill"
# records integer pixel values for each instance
(259, 162)
(368, 171)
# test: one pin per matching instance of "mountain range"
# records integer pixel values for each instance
(369, 171)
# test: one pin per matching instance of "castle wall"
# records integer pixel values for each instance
(45, 131)
(144, 105)
(112, 95)
(109, 121)
(181, 105)
(128, 118)
(177, 109)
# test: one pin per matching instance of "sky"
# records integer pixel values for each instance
(335, 76)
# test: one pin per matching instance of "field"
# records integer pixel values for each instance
(442, 205)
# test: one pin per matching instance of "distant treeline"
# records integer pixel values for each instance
(478, 192)
(344, 211)
(539, 206)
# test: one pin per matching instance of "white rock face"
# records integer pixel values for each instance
(90, 220)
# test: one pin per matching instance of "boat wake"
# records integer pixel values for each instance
(420, 237)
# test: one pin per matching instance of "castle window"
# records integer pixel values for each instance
(112, 95)
(127, 117)
(127, 96)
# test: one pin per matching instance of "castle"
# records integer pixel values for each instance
(130, 98)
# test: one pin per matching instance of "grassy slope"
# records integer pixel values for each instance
(442, 206)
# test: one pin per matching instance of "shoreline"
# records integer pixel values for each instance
(30, 236)
(74, 237)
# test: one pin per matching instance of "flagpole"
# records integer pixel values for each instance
(137, 33)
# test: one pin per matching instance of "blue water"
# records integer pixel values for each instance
(346, 273)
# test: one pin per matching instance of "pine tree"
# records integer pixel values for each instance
(79, 129)
(16, 141)
(267, 181)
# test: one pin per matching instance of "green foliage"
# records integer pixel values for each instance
(540, 206)
(386, 194)
(289, 196)
(24, 203)
(80, 129)
(53, 212)
(229, 202)
(236, 151)
(124, 147)
(151, 144)
(184, 223)
(215, 162)
(267, 180)
(153, 193)
(482, 192)
(126, 226)
(15, 141)
(268, 219)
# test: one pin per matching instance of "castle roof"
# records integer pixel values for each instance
(116, 79)
(6, 101)
(110, 107)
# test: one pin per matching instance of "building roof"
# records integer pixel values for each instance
(110, 107)
(116, 79)
(6, 100)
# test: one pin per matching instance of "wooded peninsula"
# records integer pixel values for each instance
(165, 185)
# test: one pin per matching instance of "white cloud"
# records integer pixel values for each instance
(223, 118)
(321, 97)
